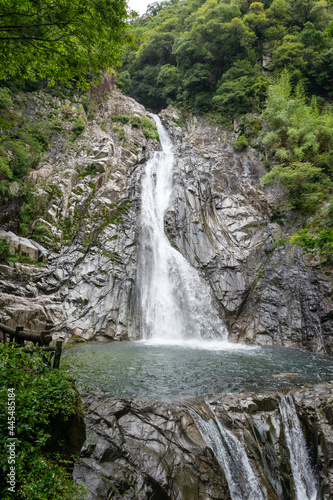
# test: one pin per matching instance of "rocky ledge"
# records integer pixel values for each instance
(148, 449)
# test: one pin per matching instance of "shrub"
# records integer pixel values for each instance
(124, 119)
(42, 395)
(5, 97)
(316, 241)
(298, 138)
(241, 143)
(78, 127)
(4, 251)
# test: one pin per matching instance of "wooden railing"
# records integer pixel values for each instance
(40, 340)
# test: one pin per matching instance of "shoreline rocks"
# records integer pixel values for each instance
(148, 449)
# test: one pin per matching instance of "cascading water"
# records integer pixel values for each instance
(231, 455)
(305, 481)
(175, 301)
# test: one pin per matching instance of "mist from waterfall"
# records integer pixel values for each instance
(305, 480)
(175, 302)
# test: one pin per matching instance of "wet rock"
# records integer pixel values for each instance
(153, 449)
(146, 449)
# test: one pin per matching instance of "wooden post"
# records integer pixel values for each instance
(45, 338)
(57, 354)
(18, 338)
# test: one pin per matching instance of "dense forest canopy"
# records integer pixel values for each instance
(219, 55)
(270, 62)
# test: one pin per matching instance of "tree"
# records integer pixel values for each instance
(60, 39)
(298, 138)
(168, 79)
(242, 88)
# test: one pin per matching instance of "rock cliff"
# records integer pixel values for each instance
(87, 287)
(220, 220)
(146, 449)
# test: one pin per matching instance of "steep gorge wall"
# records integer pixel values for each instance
(219, 220)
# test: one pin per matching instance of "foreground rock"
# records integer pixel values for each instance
(147, 449)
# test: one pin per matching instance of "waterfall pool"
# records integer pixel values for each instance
(194, 368)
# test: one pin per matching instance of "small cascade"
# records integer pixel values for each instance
(230, 454)
(175, 302)
(305, 480)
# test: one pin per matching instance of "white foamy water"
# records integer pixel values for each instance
(175, 302)
(207, 344)
(305, 480)
(231, 455)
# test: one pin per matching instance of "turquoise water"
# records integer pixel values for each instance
(162, 371)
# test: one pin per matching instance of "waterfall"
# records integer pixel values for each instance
(175, 302)
(231, 455)
(306, 483)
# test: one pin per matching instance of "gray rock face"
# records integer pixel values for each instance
(146, 449)
(219, 220)
(92, 216)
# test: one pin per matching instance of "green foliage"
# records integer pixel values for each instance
(47, 480)
(124, 81)
(22, 141)
(33, 208)
(124, 119)
(219, 54)
(168, 80)
(6, 256)
(316, 241)
(298, 138)
(78, 127)
(148, 127)
(113, 215)
(4, 251)
(90, 170)
(35, 204)
(326, 215)
(241, 88)
(61, 40)
(5, 98)
(42, 395)
(241, 143)
(306, 184)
